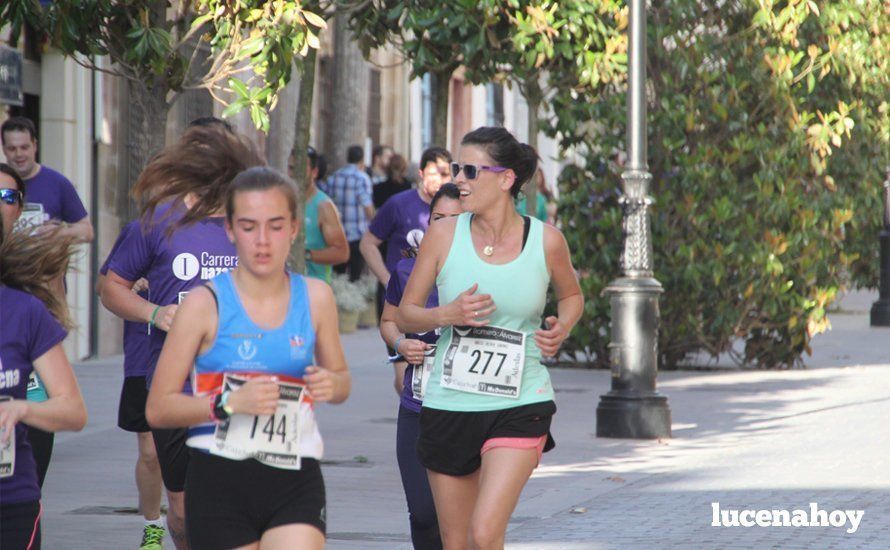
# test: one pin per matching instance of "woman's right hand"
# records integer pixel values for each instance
(470, 309)
(412, 350)
(258, 396)
(11, 412)
(164, 317)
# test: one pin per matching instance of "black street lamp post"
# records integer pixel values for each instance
(633, 409)
(880, 310)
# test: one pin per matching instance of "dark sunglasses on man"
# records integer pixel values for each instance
(11, 196)
(471, 171)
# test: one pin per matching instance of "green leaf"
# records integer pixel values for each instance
(239, 87)
(314, 20)
(233, 109)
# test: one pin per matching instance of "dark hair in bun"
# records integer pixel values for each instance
(505, 150)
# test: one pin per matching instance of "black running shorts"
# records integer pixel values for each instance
(231, 503)
(451, 442)
(173, 456)
(131, 411)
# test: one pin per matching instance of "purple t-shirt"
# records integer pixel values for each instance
(27, 331)
(394, 291)
(173, 264)
(136, 339)
(396, 218)
(55, 195)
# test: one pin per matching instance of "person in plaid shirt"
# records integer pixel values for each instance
(350, 189)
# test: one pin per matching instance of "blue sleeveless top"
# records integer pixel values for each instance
(241, 347)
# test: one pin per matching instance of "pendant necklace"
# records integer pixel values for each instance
(488, 249)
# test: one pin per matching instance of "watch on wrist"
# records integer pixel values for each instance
(221, 408)
(308, 255)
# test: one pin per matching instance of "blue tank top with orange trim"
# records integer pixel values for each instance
(243, 348)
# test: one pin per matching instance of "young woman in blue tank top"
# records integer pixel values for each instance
(488, 404)
(411, 352)
(262, 346)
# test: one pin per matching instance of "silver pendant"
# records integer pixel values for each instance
(488, 250)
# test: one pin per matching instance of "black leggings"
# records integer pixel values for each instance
(42, 445)
(421, 509)
(20, 526)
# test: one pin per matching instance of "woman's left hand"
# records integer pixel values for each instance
(320, 382)
(549, 340)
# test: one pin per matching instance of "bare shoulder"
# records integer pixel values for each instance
(442, 231)
(554, 240)
(328, 208)
(320, 293)
(198, 310)
(199, 299)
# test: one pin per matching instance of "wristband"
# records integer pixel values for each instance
(213, 417)
(151, 321)
(153, 315)
(396, 346)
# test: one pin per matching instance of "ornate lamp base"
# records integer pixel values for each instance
(623, 414)
(633, 409)
(880, 310)
(880, 313)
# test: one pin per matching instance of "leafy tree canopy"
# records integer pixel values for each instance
(768, 141)
(247, 47)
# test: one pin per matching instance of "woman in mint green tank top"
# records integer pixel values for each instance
(326, 244)
(489, 402)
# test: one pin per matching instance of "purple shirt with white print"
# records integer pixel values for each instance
(173, 263)
(27, 331)
(394, 291)
(398, 216)
(136, 338)
(54, 195)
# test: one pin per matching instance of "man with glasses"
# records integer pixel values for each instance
(50, 196)
(402, 213)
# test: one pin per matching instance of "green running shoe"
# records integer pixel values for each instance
(153, 537)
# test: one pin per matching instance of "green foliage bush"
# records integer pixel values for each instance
(768, 141)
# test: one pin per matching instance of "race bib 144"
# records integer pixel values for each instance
(272, 439)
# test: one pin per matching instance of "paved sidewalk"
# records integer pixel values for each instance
(745, 439)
